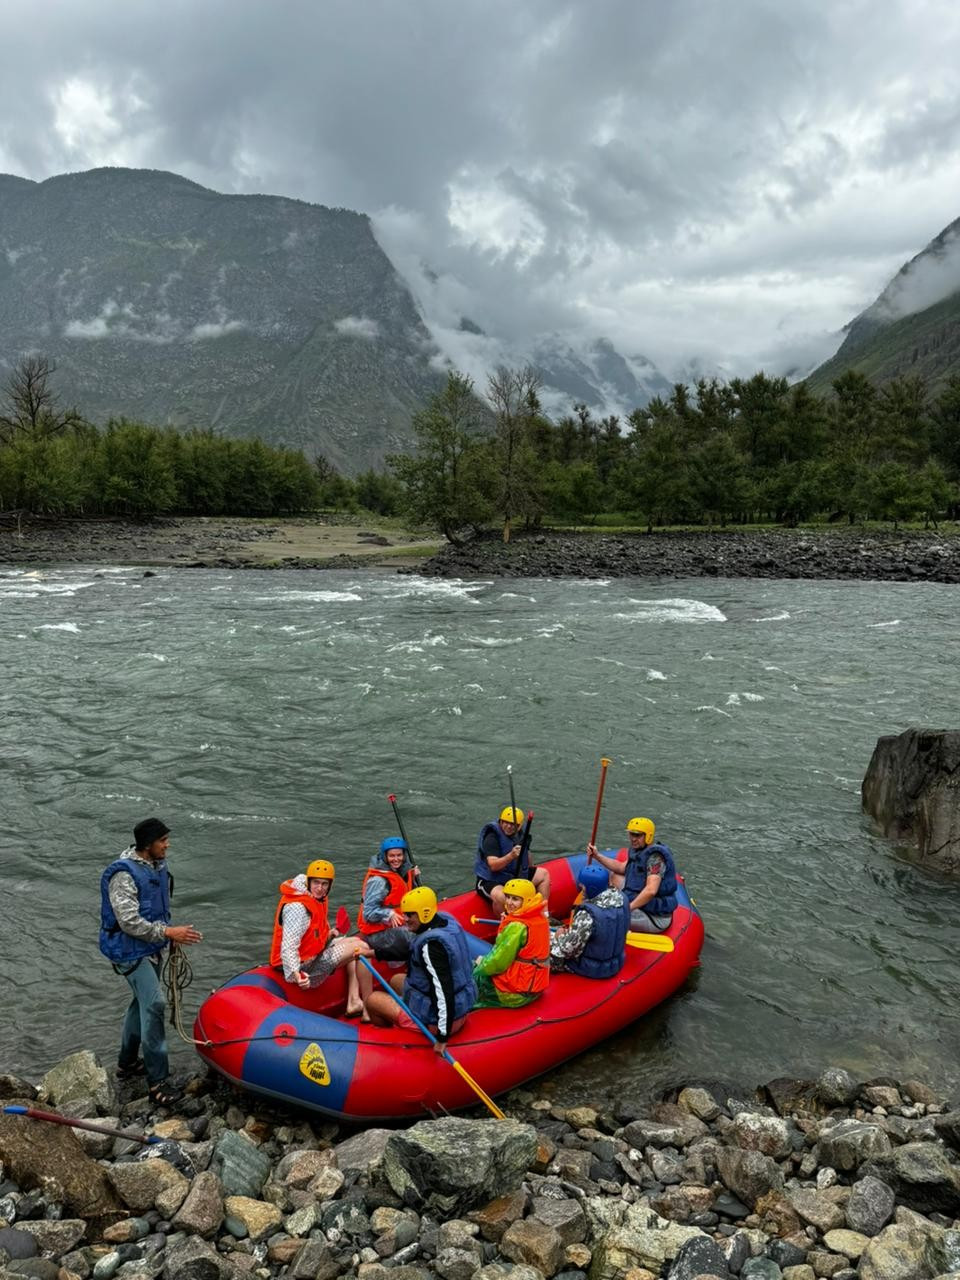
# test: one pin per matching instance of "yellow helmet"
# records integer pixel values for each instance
(525, 890)
(510, 814)
(637, 826)
(320, 869)
(421, 902)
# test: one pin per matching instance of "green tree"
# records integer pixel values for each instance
(447, 484)
(516, 406)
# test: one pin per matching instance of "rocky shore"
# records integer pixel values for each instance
(780, 553)
(802, 1179)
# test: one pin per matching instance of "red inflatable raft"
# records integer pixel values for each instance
(273, 1039)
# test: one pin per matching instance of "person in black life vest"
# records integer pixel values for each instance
(498, 857)
(135, 930)
(595, 943)
(439, 988)
(649, 877)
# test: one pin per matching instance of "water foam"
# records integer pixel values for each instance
(311, 597)
(773, 617)
(59, 626)
(673, 609)
(894, 623)
(655, 675)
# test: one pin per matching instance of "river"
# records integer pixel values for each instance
(265, 716)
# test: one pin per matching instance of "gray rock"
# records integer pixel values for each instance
(699, 1256)
(680, 1132)
(736, 1250)
(767, 1134)
(16, 1089)
(870, 1206)
(535, 1243)
(202, 1211)
(33, 1269)
(565, 1216)
(897, 1253)
(79, 1076)
(107, 1266)
(315, 1261)
(450, 1165)
(699, 1103)
(17, 1243)
(912, 790)
(837, 1087)
(454, 1264)
(947, 1127)
(138, 1183)
(363, 1153)
(195, 1259)
(240, 1165)
(816, 1208)
(748, 1174)
(922, 1177)
(848, 1144)
(760, 1269)
(942, 1252)
(55, 1237)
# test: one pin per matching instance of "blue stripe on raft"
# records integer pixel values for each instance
(476, 946)
(257, 980)
(275, 1064)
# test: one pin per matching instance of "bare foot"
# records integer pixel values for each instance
(354, 1008)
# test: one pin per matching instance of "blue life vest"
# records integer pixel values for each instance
(418, 990)
(606, 948)
(482, 868)
(665, 903)
(153, 889)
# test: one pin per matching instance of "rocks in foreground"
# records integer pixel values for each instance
(804, 1180)
(912, 790)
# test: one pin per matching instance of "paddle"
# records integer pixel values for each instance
(461, 1071)
(403, 836)
(604, 766)
(642, 941)
(523, 861)
(513, 797)
(342, 922)
(33, 1114)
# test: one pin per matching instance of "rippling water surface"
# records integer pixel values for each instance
(266, 715)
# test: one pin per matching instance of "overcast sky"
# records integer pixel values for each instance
(730, 182)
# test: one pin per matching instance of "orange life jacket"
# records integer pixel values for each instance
(530, 971)
(318, 929)
(399, 885)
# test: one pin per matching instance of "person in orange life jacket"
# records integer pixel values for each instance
(517, 968)
(135, 930)
(439, 988)
(594, 944)
(304, 946)
(381, 922)
(648, 877)
(498, 856)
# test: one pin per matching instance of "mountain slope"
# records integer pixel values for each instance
(913, 327)
(161, 300)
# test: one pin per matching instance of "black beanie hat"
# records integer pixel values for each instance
(150, 829)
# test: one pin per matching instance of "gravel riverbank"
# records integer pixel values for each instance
(798, 1180)
(779, 553)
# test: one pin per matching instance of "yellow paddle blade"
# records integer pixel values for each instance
(487, 1102)
(650, 941)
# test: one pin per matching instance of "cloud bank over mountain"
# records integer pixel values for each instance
(726, 184)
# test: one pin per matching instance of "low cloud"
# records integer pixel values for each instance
(358, 327)
(925, 281)
(202, 332)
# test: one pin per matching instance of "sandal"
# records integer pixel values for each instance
(128, 1073)
(164, 1094)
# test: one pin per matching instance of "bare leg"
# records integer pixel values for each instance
(496, 899)
(541, 882)
(354, 1002)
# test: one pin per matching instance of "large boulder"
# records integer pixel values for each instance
(748, 1174)
(49, 1157)
(912, 790)
(922, 1177)
(239, 1164)
(847, 1144)
(79, 1076)
(450, 1165)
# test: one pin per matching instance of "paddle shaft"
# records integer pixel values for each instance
(523, 862)
(642, 941)
(513, 795)
(33, 1114)
(403, 836)
(604, 766)
(461, 1071)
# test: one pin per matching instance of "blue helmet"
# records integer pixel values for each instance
(594, 880)
(391, 842)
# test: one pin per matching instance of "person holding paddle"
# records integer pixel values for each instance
(501, 856)
(517, 967)
(647, 873)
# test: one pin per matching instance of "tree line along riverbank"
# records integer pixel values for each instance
(799, 1179)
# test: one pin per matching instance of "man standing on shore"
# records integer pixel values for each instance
(135, 930)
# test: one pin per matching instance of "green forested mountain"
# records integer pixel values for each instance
(913, 327)
(161, 301)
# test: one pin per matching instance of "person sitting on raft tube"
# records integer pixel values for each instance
(497, 859)
(389, 877)
(517, 968)
(649, 878)
(439, 988)
(304, 946)
(595, 943)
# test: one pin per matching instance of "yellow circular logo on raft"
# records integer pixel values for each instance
(314, 1065)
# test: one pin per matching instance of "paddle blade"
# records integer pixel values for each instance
(343, 920)
(650, 941)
